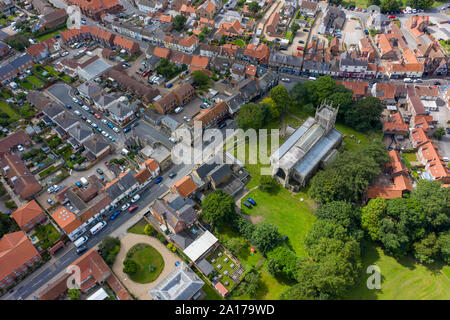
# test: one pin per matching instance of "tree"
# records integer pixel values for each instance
(281, 98)
(389, 5)
(420, 4)
(251, 283)
(253, 7)
(323, 87)
(109, 248)
(167, 68)
(74, 294)
(295, 27)
(130, 266)
(18, 42)
(274, 111)
(200, 78)
(300, 94)
(223, 40)
(7, 225)
(326, 228)
(267, 184)
(253, 116)
(265, 237)
(365, 114)
(340, 211)
(149, 230)
(439, 133)
(282, 261)
(427, 249)
(201, 36)
(178, 22)
(218, 207)
(371, 217)
(444, 245)
(342, 99)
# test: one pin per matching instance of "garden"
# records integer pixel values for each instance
(224, 268)
(47, 235)
(143, 263)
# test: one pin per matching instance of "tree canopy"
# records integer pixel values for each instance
(179, 22)
(218, 207)
(253, 116)
(265, 237)
(200, 78)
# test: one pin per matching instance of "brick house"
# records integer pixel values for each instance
(17, 254)
(29, 216)
(209, 117)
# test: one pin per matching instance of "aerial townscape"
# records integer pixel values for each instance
(351, 99)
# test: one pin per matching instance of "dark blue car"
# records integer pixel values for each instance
(251, 201)
(158, 180)
(68, 106)
(115, 214)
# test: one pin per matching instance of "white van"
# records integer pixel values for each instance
(135, 198)
(80, 241)
(312, 78)
(99, 226)
(407, 80)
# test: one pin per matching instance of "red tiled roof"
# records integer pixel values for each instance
(27, 213)
(395, 124)
(185, 187)
(15, 250)
(221, 288)
(161, 52)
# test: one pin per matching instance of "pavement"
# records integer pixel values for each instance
(141, 291)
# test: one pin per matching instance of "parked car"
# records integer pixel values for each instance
(222, 125)
(20, 148)
(111, 138)
(299, 48)
(170, 85)
(301, 41)
(306, 30)
(135, 198)
(116, 130)
(115, 214)
(78, 184)
(99, 171)
(135, 124)
(110, 125)
(253, 202)
(50, 190)
(68, 106)
(158, 180)
(97, 115)
(125, 206)
(126, 129)
(366, 32)
(85, 107)
(248, 205)
(285, 79)
(104, 121)
(50, 201)
(81, 249)
(437, 83)
(173, 174)
(132, 208)
(448, 130)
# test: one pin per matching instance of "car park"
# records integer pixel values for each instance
(132, 208)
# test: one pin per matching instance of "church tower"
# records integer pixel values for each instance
(326, 116)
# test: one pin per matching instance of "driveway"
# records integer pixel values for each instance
(137, 289)
(351, 35)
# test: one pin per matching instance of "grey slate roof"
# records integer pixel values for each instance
(104, 99)
(65, 120)
(346, 60)
(89, 89)
(119, 108)
(14, 64)
(180, 284)
(52, 110)
(170, 122)
(80, 132)
(182, 240)
(235, 102)
(123, 184)
(205, 267)
(204, 169)
(96, 144)
(220, 173)
(279, 58)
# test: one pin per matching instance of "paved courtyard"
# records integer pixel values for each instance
(141, 291)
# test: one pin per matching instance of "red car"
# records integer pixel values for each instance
(145, 74)
(299, 48)
(132, 208)
(97, 115)
(391, 17)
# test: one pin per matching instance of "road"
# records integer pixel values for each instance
(67, 255)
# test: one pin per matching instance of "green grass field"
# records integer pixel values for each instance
(33, 80)
(49, 35)
(145, 258)
(402, 280)
(4, 107)
(364, 3)
(291, 216)
(138, 228)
